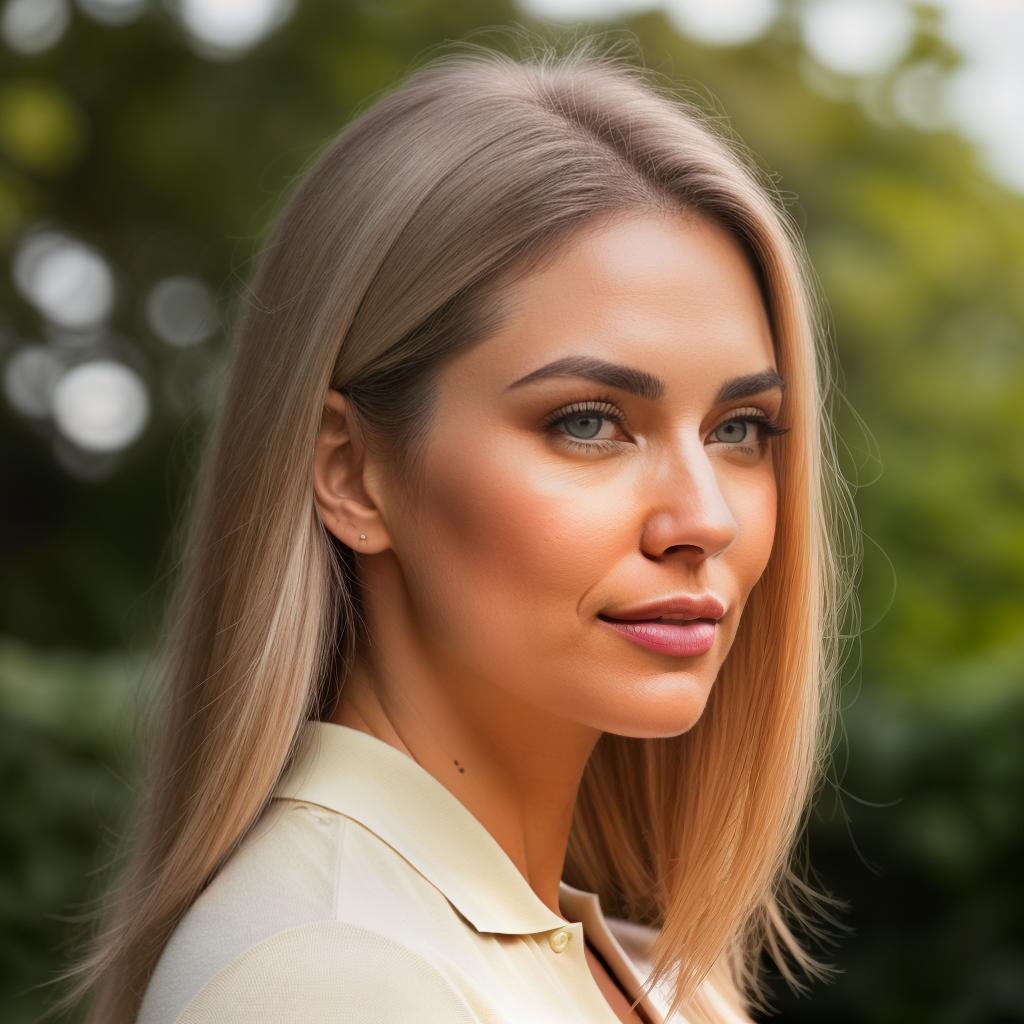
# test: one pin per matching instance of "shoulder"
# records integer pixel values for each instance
(281, 875)
(304, 879)
(328, 972)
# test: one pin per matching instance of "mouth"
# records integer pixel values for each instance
(667, 635)
(668, 620)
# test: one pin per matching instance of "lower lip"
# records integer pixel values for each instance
(697, 637)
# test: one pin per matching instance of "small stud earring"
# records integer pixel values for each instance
(362, 536)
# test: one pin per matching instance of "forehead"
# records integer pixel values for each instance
(672, 293)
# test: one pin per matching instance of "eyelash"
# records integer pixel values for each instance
(605, 408)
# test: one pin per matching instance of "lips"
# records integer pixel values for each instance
(681, 638)
(667, 620)
(678, 608)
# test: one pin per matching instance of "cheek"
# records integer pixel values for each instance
(755, 508)
(515, 545)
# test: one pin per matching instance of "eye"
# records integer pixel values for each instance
(577, 425)
(736, 432)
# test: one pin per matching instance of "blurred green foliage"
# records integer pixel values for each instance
(172, 163)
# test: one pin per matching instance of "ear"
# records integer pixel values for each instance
(340, 476)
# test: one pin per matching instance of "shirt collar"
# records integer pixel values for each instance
(392, 795)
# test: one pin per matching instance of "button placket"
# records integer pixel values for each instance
(574, 965)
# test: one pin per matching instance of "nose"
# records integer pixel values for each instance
(688, 510)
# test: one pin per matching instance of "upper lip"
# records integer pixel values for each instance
(678, 606)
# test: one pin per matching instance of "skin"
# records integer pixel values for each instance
(482, 598)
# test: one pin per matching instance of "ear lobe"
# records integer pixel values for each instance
(340, 465)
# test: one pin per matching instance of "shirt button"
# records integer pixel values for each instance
(559, 940)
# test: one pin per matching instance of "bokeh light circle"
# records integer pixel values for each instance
(69, 282)
(101, 405)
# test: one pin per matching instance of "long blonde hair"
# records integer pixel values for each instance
(389, 257)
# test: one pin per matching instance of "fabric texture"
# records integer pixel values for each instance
(368, 892)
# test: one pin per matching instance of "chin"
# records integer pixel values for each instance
(666, 707)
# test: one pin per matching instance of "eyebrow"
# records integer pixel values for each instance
(643, 384)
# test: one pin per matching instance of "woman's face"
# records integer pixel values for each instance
(549, 501)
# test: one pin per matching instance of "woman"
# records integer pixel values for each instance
(499, 669)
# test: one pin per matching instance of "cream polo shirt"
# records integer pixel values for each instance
(368, 892)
